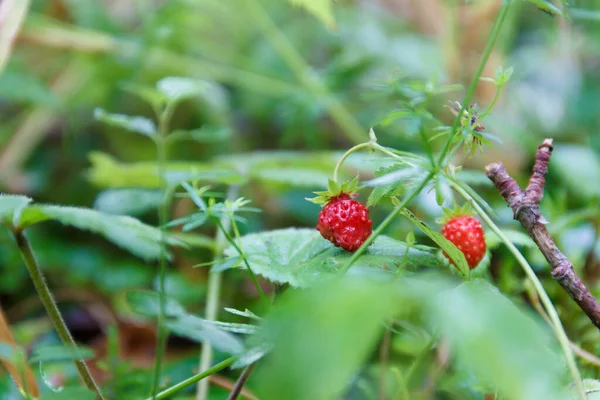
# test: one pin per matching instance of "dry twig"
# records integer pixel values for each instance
(525, 205)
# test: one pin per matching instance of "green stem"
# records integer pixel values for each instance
(165, 394)
(52, 309)
(471, 90)
(492, 104)
(304, 72)
(233, 242)
(346, 155)
(163, 218)
(386, 222)
(559, 330)
(214, 293)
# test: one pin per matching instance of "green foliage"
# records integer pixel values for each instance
(312, 331)
(504, 348)
(301, 257)
(322, 9)
(128, 201)
(128, 233)
(70, 393)
(141, 125)
(179, 322)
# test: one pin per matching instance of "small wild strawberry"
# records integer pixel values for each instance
(343, 221)
(467, 235)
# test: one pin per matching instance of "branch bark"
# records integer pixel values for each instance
(525, 206)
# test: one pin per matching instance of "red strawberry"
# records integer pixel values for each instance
(467, 234)
(345, 222)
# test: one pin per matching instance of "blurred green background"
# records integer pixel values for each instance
(297, 83)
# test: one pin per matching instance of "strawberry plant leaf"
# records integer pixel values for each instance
(126, 232)
(302, 257)
(141, 125)
(455, 254)
(246, 313)
(128, 201)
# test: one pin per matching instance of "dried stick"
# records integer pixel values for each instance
(525, 205)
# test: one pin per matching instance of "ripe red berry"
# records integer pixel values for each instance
(345, 222)
(467, 234)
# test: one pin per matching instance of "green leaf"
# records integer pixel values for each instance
(141, 125)
(109, 173)
(321, 337)
(58, 353)
(502, 346)
(126, 232)
(147, 303)
(180, 88)
(389, 182)
(232, 327)
(322, 9)
(455, 254)
(149, 94)
(70, 393)
(9, 206)
(246, 313)
(547, 6)
(302, 257)
(201, 330)
(128, 201)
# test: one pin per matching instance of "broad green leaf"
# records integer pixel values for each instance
(322, 9)
(70, 393)
(141, 125)
(180, 88)
(302, 257)
(126, 232)
(128, 201)
(201, 330)
(147, 303)
(503, 347)
(321, 337)
(455, 254)
(576, 164)
(107, 172)
(9, 204)
(58, 353)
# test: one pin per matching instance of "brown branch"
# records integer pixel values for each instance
(526, 210)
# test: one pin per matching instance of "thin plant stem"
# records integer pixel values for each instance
(304, 73)
(492, 104)
(165, 394)
(336, 171)
(52, 309)
(245, 260)
(239, 385)
(386, 222)
(214, 293)
(163, 218)
(471, 90)
(384, 357)
(559, 330)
